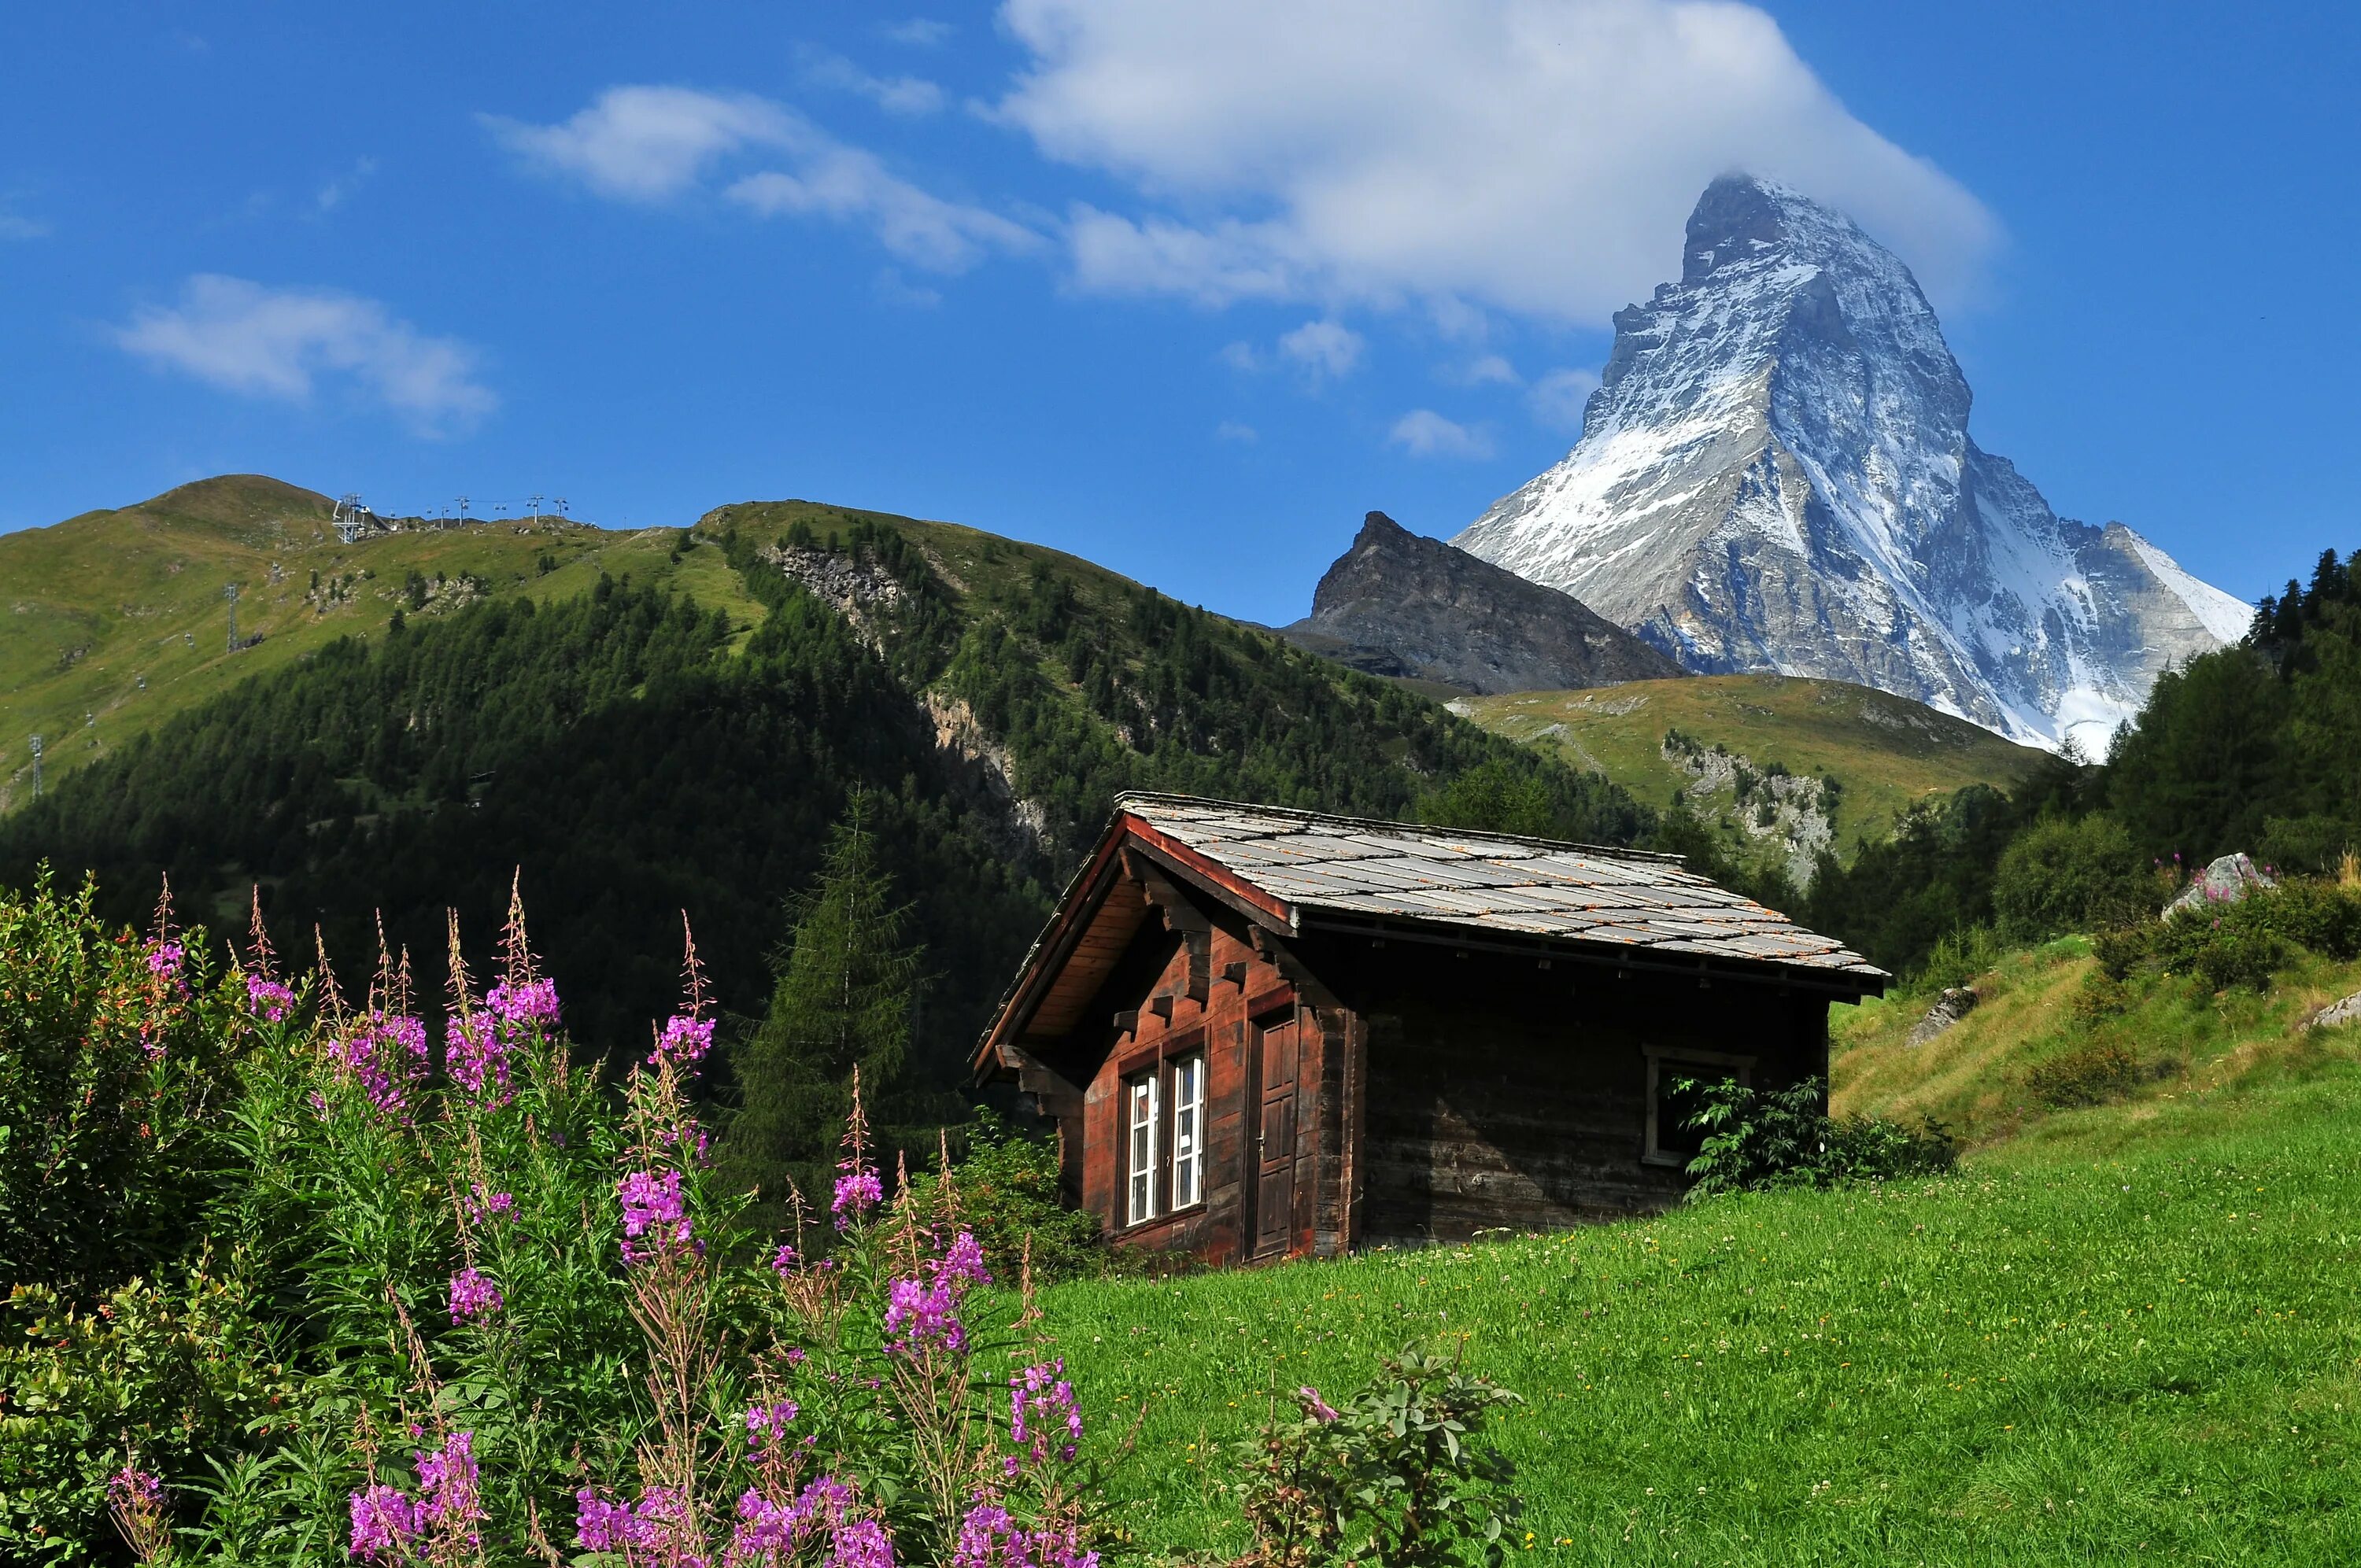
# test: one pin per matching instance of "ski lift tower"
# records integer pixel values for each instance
(230, 593)
(351, 519)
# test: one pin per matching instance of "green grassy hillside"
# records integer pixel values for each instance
(1882, 752)
(104, 602)
(2126, 1334)
(657, 722)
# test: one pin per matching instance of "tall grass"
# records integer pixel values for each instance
(2134, 1338)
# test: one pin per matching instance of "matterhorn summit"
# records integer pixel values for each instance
(1776, 474)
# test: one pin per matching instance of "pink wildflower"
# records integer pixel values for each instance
(767, 1424)
(858, 1191)
(473, 1296)
(684, 1042)
(1043, 1415)
(652, 1209)
(267, 1000)
(385, 1522)
(1318, 1409)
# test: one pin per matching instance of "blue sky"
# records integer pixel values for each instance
(1184, 288)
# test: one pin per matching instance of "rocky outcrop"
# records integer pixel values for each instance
(1396, 604)
(1794, 811)
(2338, 1013)
(1956, 1003)
(1776, 474)
(2226, 881)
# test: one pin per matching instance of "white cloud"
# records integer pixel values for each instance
(279, 343)
(1484, 370)
(1231, 430)
(1323, 347)
(16, 225)
(894, 289)
(1240, 357)
(894, 94)
(1534, 156)
(918, 32)
(851, 186)
(340, 189)
(645, 144)
(1558, 399)
(1422, 432)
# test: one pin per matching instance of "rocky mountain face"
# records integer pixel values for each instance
(1396, 604)
(1776, 474)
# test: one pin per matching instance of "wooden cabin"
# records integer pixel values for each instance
(1268, 1033)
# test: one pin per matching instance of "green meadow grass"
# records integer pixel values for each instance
(2131, 1338)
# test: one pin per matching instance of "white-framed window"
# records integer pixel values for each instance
(1188, 1130)
(1670, 1140)
(1140, 1096)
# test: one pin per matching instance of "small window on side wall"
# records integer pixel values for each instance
(1188, 1130)
(1140, 1101)
(1674, 1077)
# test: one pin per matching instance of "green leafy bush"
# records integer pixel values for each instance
(112, 1054)
(1959, 956)
(2069, 874)
(1757, 1138)
(2088, 1074)
(2242, 944)
(1007, 1189)
(1397, 1476)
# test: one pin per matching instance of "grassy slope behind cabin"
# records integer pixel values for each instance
(1885, 752)
(2125, 1333)
(676, 728)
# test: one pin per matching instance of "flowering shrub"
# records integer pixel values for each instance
(1400, 1477)
(528, 1325)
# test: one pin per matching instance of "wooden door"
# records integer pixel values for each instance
(1274, 1188)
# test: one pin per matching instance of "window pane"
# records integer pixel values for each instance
(1188, 1124)
(1142, 1188)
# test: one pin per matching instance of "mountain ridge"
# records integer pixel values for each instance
(1776, 474)
(1400, 604)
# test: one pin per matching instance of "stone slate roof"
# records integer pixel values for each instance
(1488, 882)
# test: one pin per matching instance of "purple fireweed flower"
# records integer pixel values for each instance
(963, 1261)
(386, 1054)
(989, 1538)
(684, 1042)
(862, 1544)
(1318, 1409)
(1044, 1418)
(384, 1524)
(473, 1296)
(476, 1055)
(447, 1494)
(771, 1533)
(649, 1530)
(481, 1207)
(857, 1191)
(783, 1262)
(533, 1004)
(164, 957)
(267, 1000)
(767, 1424)
(920, 1312)
(131, 1487)
(652, 1211)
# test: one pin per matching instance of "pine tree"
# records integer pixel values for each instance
(848, 984)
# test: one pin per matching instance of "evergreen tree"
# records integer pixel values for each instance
(849, 980)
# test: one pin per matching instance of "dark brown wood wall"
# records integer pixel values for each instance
(1502, 1094)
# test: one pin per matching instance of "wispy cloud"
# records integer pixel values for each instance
(340, 189)
(248, 338)
(15, 225)
(650, 144)
(645, 144)
(1559, 398)
(894, 94)
(1484, 370)
(1525, 156)
(1324, 349)
(918, 32)
(1422, 432)
(1234, 431)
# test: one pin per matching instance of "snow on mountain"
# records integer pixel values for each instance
(1776, 474)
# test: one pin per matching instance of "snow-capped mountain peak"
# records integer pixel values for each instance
(1776, 474)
